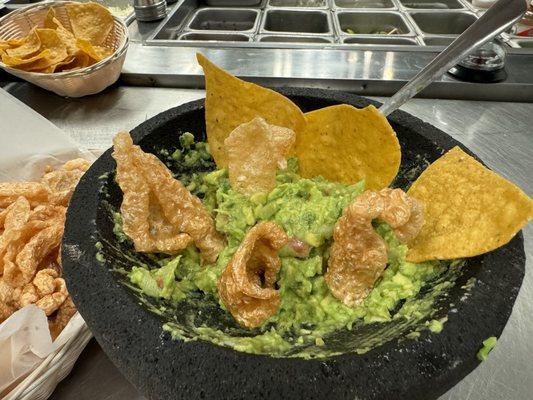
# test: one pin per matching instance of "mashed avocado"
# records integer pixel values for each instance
(488, 345)
(306, 209)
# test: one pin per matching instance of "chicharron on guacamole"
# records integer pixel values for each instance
(400, 304)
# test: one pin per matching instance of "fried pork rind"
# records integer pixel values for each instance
(231, 102)
(404, 214)
(142, 217)
(7, 306)
(47, 291)
(31, 228)
(34, 192)
(159, 214)
(62, 182)
(55, 187)
(358, 254)
(246, 286)
(13, 219)
(58, 320)
(470, 210)
(255, 151)
(32, 243)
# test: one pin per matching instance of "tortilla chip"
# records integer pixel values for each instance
(346, 144)
(79, 60)
(27, 47)
(50, 21)
(59, 65)
(103, 51)
(66, 36)
(97, 53)
(90, 21)
(18, 62)
(7, 44)
(42, 62)
(231, 102)
(470, 210)
(51, 41)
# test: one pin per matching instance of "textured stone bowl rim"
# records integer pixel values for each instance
(162, 368)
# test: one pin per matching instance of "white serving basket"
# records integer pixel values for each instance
(38, 143)
(42, 381)
(82, 82)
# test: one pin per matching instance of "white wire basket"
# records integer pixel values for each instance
(82, 82)
(42, 381)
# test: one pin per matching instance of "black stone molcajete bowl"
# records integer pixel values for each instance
(162, 368)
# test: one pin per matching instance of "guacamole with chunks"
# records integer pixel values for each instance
(306, 209)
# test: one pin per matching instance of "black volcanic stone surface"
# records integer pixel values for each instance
(165, 369)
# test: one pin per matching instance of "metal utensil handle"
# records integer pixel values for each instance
(495, 20)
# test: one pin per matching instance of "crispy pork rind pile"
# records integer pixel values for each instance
(159, 214)
(32, 223)
(255, 151)
(246, 286)
(358, 254)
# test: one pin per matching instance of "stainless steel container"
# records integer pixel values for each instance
(387, 23)
(381, 4)
(293, 21)
(224, 19)
(443, 23)
(432, 4)
(298, 3)
(232, 3)
(218, 37)
(150, 10)
(381, 41)
(294, 39)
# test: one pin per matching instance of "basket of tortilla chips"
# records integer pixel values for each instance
(72, 49)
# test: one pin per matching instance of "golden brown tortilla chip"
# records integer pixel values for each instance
(22, 62)
(57, 67)
(469, 210)
(26, 47)
(97, 53)
(66, 36)
(78, 61)
(50, 21)
(90, 21)
(231, 102)
(51, 41)
(7, 44)
(346, 144)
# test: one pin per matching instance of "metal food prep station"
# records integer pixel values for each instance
(368, 47)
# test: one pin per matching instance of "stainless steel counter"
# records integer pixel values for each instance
(253, 43)
(500, 133)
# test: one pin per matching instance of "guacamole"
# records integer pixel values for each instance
(307, 209)
(488, 345)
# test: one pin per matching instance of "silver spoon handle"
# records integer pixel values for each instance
(495, 20)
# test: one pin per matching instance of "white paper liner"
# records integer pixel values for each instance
(31, 365)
